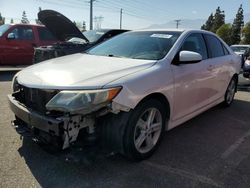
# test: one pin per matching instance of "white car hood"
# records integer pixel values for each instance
(239, 53)
(79, 71)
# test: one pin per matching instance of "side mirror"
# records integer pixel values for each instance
(11, 36)
(189, 57)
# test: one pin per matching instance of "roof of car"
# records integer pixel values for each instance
(177, 30)
(36, 25)
(167, 29)
(107, 30)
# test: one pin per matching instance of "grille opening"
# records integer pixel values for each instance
(36, 99)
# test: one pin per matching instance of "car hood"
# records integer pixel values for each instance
(239, 53)
(60, 26)
(79, 71)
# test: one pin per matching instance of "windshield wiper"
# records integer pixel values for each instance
(112, 55)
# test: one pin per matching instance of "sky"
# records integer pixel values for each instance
(137, 14)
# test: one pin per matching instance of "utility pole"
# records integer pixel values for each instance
(177, 23)
(98, 22)
(91, 14)
(121, 18)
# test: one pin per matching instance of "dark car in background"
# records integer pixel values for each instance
(74, 41)
(17, 42)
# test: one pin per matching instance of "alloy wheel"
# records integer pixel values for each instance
(231, 91)
(148, 130)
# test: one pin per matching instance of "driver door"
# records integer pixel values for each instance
(190, 79)
(20, 49)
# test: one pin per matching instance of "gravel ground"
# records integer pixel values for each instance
(211, 150)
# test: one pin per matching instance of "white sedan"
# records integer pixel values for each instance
(126, 91)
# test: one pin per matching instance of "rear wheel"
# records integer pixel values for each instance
(230, 92)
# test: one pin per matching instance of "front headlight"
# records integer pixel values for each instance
(84, 101)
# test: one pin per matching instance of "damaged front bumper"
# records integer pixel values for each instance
(65, 128)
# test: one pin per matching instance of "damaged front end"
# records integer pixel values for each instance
(57, 117)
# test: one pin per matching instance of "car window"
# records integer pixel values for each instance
(93, 35)
(239, 48)
(23, 33)
(111, 34)
(150, 45)
(108, 35)
(226, 52)
(45, 34)
(214, 46)
(195, 43)
(3, 29)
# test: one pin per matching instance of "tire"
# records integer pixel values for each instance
(230, 92)
(140, 138)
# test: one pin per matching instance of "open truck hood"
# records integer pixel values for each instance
(60, 26)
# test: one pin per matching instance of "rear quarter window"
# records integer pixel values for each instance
(215, 47)
(45, 34)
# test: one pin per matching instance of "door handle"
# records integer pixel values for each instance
(210, 68)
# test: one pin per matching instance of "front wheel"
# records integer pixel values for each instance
(230, 92)
(144, 130)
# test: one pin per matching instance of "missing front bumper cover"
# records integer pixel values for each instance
(65, 128)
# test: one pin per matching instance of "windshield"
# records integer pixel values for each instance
(146, 45)
(3, 29)
(239, 48)
(93, 35)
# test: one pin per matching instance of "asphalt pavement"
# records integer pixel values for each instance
(211, 150)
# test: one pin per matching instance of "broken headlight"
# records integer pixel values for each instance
(84, 101)
(15, 85)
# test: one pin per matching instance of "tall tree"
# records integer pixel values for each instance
(24, 19)
(209, 23)
(246, 34)
(237, 26)
(224, 32)
(2, 19)
(219, 19)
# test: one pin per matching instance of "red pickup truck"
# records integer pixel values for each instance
(17, 42)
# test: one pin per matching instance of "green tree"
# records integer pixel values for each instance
(224, 32)
(11, 21)
(2, 19)
(219, 19)
(246, 34)
(237, 26)
(24, 19)
(209, 23)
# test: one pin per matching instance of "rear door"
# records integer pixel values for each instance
(219, 59)
(19, 51)
(45, 37)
